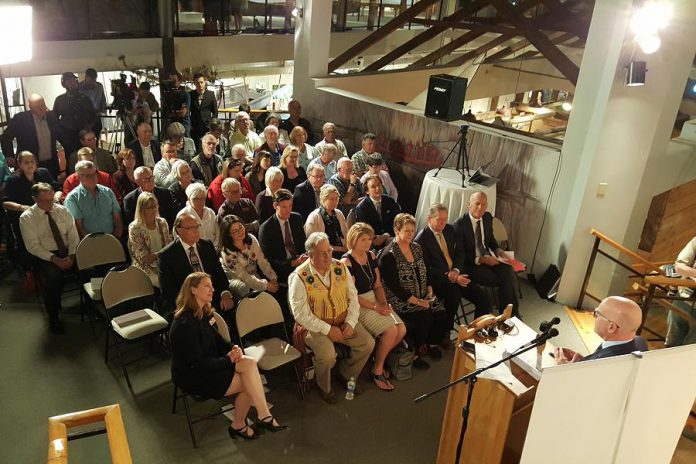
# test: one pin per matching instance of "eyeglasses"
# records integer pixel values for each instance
(596, 313)
(317, 177)
(196, 227)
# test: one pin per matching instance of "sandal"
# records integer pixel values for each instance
(381, 378)
(267, 423)
(234, 433)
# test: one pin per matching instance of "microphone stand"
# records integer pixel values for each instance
(472, 377)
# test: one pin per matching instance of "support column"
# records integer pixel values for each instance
(312, 40)
(613, 132)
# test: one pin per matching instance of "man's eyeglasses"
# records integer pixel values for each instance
(196, 227)
(597, 312)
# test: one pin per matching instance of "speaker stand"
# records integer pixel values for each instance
(462, 156)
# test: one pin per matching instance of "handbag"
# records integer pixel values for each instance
(400, 363)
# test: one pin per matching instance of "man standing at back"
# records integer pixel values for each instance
(203, 109)
(74, 112)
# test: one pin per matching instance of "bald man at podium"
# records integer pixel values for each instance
(616, 320)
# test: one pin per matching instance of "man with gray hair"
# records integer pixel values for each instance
(327, 160)
(329, 131)
(330, 315)
(163, 168)
(207, 165)
(146, 183)
(238, 206)
(272, 144)
(238, 151)
(243, 135)
(103, 178)
(306, 195)
(348, 185)
(93, 206)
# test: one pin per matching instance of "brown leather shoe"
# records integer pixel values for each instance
(329, 397)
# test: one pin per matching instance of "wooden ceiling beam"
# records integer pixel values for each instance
(469, 24)
(481, 50)
(555, 37)
(448, 48)
(381, 33)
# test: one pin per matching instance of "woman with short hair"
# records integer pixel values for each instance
(196, 195)
(264, 200)
(299, 137)
(329, 219)
(124, 177)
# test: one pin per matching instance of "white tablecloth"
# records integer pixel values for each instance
(447, 189)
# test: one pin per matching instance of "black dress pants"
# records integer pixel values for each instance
(450, 295)
(501, 276)
(52, 281)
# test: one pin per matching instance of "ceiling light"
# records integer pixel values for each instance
(15, 29)
(648, 43)
(635, 75)
(653, 16)
(567, 106)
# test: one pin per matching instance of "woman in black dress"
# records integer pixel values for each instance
(293, 172)
(206, 365)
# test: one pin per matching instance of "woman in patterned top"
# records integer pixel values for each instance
(242, 258)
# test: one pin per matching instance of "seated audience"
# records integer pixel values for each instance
(360, 165)
(306, 196)
(264, 200)
(330, 315)
(243, 258)
(293, 173)
(679, 330)
(298, 137)
(374, 164)
(272, 145)
(189, 253)
(147, 235)
(273, 119)
(93, 206)
(296, 120)
(617, 320)
(406, 280)
(327, 160)
(231, 169)
(474, 231)
(378, 210)
(177, 192)
(103, 178)
(243, 134)
(329, 131)
(206, 216)
(164, 177)
(257, 174)
(146, 149)
(238, 152)
(282, 237)
(329, 220)
(206, 165)
(376, 314)
(102, 158)
(50, 235)
(124, 178)
(146, 183)
(238, 206)
(445, 262)
(206, 365)
(185, 146)
(348, 185)
(216, 128)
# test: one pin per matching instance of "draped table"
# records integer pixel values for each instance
(447, 189)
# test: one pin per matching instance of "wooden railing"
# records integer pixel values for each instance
(58, 435)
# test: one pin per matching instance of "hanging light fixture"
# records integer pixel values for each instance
(635, 73)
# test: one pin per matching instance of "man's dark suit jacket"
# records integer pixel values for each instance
(615, 350)
(22, 128)
(138, 150)
(467, 241)
(432, 253)
(163, 198)
(202, 113)
(273, 245)
(174, 266)
(365, 212)
(303, 200)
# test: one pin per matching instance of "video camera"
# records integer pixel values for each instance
(123, 93)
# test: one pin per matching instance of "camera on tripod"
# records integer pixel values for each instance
(123, 93)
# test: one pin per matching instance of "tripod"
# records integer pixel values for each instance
(462, 156)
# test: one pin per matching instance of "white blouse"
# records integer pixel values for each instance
(209, 224)
(245, 265)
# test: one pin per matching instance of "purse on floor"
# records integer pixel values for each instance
(400, 363)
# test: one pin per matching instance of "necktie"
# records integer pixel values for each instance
(317, 203)
(479, 239)
(378, 207)
(193, 257)
(445, 251)
(55, 231)
(289, 244)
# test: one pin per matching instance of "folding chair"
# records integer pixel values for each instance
(120, 286)
(262, 310)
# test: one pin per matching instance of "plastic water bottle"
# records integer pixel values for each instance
(350, 389)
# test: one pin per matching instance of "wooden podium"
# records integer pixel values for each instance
(498, 416)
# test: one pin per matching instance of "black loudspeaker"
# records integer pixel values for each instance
(547, 285)
(445, 97)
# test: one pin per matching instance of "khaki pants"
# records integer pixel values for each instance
(361, 345)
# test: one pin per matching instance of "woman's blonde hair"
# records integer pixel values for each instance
(356, 231)
(186, 301)
(144, 200)
(402, 219)
(325, 191)
(289, 150)
(295, 132)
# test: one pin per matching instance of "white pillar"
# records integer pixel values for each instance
(612, 132)
(312, 40)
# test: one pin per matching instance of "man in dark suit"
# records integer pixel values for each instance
(75, 112)
(617, 320)
(203, 109)
(146, 183)
(284, 251)
(377, 210)
(474, 232)
(36, 131)
(186, 254)
(306, 196)
(147, 149)
(445, 265)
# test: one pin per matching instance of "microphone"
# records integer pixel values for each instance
(553, 332)
(546, 325)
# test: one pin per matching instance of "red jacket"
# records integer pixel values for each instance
(216, 198)
(73, 181)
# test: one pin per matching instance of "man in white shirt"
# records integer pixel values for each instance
(324, 301)
(50, 234)
(146, 149)
(329, 131)
(164, 177)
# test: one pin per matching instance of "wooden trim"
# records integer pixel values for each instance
(447, 48)
(613, 243)
(482, 49)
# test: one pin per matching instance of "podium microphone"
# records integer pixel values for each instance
(546, 325)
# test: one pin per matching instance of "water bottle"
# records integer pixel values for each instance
(350, 389)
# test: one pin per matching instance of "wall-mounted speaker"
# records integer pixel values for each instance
(445, 97)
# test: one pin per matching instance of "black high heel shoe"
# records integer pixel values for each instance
(234, 433)
(267, 424)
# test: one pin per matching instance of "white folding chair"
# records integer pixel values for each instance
(262, 310)
(122, 285)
